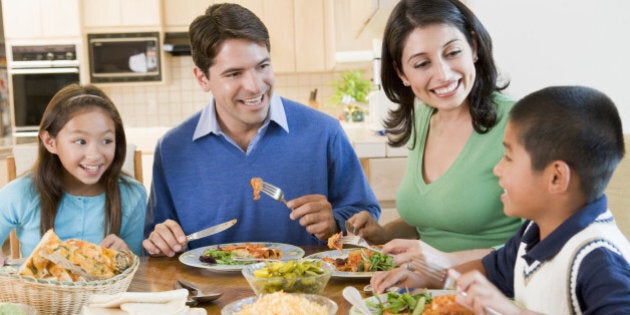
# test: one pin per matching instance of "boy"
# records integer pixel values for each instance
(562, 145)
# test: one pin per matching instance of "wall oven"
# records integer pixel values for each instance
(36, 73)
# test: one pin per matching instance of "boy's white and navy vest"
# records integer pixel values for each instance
(549, 287)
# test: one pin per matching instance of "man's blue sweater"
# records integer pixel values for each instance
(207, 181)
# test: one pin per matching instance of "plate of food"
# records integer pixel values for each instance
(222, 257)
(355, 262)
(424, 302)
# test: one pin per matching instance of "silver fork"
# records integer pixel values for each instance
(358, 241)
(273, 192)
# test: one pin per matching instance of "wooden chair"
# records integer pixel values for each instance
(618, 191)
(25, 155)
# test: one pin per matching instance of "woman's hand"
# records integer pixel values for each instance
(418, 253)
(112, 241)
(398, 277)
(364, 225)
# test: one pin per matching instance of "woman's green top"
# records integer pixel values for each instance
(462, 209)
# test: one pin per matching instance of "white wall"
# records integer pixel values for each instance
(538, 43)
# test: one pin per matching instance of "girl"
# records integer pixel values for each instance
(76, 185)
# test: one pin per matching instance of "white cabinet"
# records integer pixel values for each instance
(121, 13)
(40, 19)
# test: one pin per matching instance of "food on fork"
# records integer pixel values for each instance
(257, 185)
(334, 242)
(73, 260)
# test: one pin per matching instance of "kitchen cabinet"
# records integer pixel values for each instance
(116, 14)
(384, 175)
(40, 19)
(178, 14)
(349, 18)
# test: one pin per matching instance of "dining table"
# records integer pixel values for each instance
(157, 274)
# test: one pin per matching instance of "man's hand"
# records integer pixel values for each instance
(167, 239)
(315, 214)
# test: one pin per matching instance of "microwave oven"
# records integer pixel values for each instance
(124, 57)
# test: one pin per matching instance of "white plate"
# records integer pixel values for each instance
(191, 257)
(334, 254)
(383, 297)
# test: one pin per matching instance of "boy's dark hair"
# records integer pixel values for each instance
(221, 22)
(575, 124)
(404, 19)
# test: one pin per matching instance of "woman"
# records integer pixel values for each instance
(437, 65)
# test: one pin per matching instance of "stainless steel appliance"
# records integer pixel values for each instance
(36, 74)
(124, 57)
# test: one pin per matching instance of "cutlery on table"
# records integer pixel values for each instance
(196, 295)
(273, 192)
(211, 230)
(250, 259)
(352, 295)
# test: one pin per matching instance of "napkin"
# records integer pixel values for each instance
(141, 303)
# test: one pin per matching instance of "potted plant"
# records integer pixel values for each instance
(351, 91)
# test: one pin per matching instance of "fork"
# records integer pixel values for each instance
(358, 241)
(432, 270)
(273, 192)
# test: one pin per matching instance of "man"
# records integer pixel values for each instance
(203, 167)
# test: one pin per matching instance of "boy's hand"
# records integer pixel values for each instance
(478, 294)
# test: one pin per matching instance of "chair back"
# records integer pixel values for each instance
(618, 191)
(25, 155)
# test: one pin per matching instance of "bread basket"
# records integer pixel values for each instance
(55, 297)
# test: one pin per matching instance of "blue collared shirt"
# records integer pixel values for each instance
(208, 123)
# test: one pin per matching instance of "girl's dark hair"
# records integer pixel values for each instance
(221, 22)
(406, 17)
(64, 105)
(575, 124)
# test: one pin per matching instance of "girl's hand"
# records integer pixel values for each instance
(112, 241)
(3, 259)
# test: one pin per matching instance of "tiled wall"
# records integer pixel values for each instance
(169, 104)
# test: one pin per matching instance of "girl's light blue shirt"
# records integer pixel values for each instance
(77, 217)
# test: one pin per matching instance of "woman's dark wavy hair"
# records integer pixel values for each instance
(575, 124)
(47, 171)
(221, 22)
(406, 17)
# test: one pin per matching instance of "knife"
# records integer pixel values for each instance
(211, 230)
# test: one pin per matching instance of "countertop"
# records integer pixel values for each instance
(367, 143)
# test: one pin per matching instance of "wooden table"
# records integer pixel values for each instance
(160, 274)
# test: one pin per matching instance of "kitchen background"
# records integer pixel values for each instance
(537, 43)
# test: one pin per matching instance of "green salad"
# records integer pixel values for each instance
(402, 302)
(220, 257)
(376, 262)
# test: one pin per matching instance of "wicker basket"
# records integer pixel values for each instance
(55, 297)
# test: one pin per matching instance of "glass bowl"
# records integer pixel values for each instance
(237, 306)
(266, 278)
